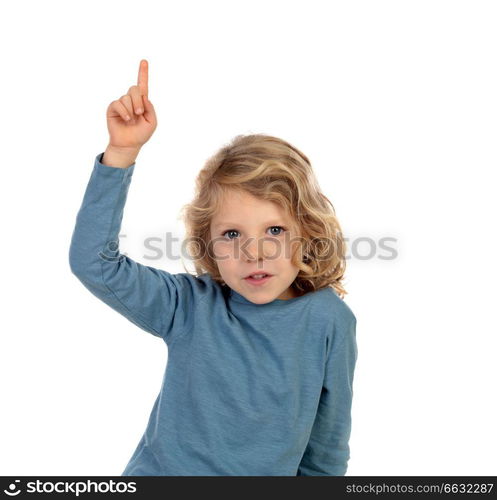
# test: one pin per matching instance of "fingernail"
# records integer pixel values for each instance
(139, 110)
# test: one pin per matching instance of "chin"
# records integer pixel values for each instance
(261, 300)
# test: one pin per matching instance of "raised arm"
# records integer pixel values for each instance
(153, 299)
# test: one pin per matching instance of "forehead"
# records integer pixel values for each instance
(240, 206)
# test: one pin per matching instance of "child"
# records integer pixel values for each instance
(259, 374)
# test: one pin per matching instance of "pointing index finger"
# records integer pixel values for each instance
(143, 77)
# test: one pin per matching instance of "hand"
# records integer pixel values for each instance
(132, 134)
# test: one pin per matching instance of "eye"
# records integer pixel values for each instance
(230, 231)
(277, 227)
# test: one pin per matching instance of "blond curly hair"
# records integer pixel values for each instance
(269, 168)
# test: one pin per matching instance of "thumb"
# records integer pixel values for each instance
(149, 112)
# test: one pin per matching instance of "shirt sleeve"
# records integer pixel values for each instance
(327, 452)
(156, 301)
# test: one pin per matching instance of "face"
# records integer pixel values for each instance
(252, 235)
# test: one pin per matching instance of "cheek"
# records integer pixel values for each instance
(222, 250)
(290, 247)
(224, 258)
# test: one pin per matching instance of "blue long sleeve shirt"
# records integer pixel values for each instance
(249, 389)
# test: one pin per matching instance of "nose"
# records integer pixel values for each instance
(255, 248)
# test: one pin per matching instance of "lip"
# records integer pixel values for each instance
(261, 271)
(260, 282)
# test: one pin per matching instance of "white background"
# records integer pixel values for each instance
(394, 102)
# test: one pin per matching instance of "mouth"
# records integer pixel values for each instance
(258, 278)
(258, 274)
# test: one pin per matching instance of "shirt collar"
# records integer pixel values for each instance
(237, 297)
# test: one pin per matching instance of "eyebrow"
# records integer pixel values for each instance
(235, 224)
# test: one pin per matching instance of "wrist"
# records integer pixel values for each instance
(119, 157)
